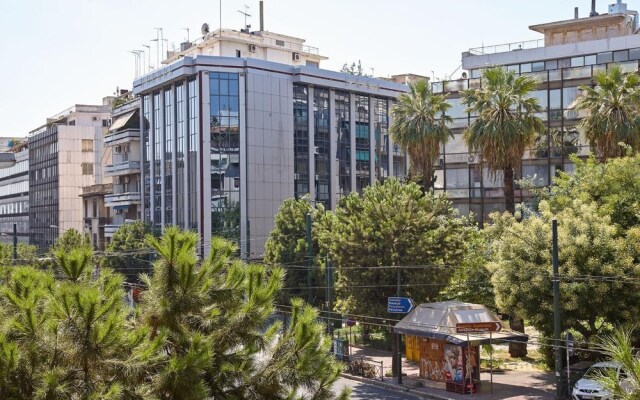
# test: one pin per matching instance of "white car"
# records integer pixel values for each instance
(588, 388)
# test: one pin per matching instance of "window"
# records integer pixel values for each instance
(524, 68)
(280, 43)
(577, 61)
(87, 145)
(95, 208)
(105, 123)
(551, 65)
(238, 54)
(537, 66)
(590, 60)
(564, 63)
(634, 54)
(72, 122)
(87, 168)
(605, 57)
(619, 56)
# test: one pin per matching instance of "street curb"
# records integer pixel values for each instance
(394, 387)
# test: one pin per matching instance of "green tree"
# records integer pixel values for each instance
(419, 125)
(472, 281)
(614, 186)
(613, 116)
(505, 123)
(71, 239)
(26, 254)
(392, 228)
(287, 247)
(210, 318)
(597, 266)
(618, 347)
(62, 332)
(354, 69)
(127, 251)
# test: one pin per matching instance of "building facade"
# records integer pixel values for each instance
(65, 156)
(14, 193)
(123, 140)
(570, 54)
(226, 140)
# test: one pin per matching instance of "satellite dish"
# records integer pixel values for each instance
(205, 28)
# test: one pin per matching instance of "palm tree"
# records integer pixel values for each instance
(505, 123)
(420, 126)
(613, 114)
(618, 347)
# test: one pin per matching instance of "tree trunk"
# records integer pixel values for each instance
(508, 190)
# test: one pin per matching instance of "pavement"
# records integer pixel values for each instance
(512, 385)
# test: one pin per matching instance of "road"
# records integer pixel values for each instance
(362, 391)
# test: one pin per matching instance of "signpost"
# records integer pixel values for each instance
(399, 305)
(475, 327)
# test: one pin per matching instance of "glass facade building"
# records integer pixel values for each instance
(14, 199)
(237, 137)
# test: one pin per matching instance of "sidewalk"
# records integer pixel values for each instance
(530, 385)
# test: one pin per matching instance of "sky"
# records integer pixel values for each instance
(57, 53)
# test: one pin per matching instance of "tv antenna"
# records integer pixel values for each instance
(245, 13)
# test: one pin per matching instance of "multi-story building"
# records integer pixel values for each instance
(123, 139)
(14, 192)
(65, 156)
(225, 140)
(568, 56)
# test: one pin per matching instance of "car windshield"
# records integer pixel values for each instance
(596, 372)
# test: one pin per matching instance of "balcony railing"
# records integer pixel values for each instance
(121, 199)
(122, 136)
(501, 48)
(123, 168)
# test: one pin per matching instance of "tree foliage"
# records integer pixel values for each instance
(287, 247)
(127, 251)
(354, 69)
(597, 265)
(420, 125)
(506, 123)
(618, 347)
(613, 115)
(391, 227)
(201, 331)
(26, 253)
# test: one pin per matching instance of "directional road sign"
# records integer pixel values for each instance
(471, 327)
(399, 305)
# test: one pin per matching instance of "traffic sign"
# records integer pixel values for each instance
(474, 327)
(399, 305)
(351, 322)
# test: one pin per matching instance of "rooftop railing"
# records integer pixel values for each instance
(501, 48)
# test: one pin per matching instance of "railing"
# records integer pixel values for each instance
(123, 166)
(126, 197)
(125, 134)
(365, 367)
(500, 48)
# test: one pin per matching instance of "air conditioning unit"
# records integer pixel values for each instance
(316, 150)
(116, 180)
(252, 48)
(125, 179)
(472, 159)
(126, 148)
(118, 149)
(296, 56)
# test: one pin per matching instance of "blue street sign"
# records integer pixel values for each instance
(399, 305)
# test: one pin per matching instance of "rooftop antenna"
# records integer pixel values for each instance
(593, 12)
(245, 13)
(187, 29)
(148, 56)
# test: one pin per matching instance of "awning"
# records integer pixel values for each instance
(121, 121)
(451, 320)
(120, 207)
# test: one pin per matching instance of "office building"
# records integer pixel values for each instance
(567, 57)
(65, 156)
(14, 192)
(226, 139)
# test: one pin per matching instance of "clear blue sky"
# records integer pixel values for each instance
(63, 52)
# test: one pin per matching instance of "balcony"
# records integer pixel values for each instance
(122, 199)
(109, 230)
(123, 168)
(122, 137)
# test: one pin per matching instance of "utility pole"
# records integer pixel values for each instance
(15, 244)
(556, 308)
(309, 256)
(398, 337)
(329, 296)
